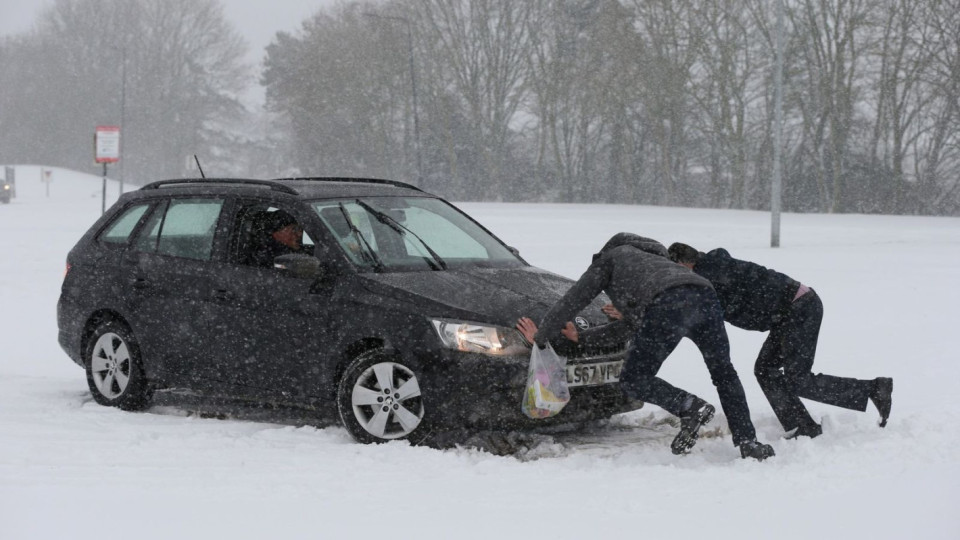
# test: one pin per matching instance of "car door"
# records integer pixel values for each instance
(169, 272)
(113, 242)
(271, 326)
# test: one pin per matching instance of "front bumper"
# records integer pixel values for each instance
(474, 390)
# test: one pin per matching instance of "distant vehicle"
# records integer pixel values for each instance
(402, 319)
(6, 193)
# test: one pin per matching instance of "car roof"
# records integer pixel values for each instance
(300, 187)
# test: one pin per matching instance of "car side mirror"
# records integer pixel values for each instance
(299, 265)
(513, 250)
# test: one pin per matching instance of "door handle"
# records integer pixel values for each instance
(140, 283)
(222, 295)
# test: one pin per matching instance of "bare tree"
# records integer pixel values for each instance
(171, 69)
(938, 166)
(829, 32)
(670, 46)
(728, 84)
(343, 91)
(482, 46)
(578, 74)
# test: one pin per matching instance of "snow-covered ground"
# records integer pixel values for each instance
(70, 468)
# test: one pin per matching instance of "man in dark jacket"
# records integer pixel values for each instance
(661, 303)
(757, 298)
(280, 235)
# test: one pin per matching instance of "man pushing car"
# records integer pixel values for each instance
(661, 303)
(758, 298)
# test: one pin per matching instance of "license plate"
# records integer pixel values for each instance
(594, 374)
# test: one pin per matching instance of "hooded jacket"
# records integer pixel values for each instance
(632, 270)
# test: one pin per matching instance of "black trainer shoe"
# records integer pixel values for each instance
(882, 397)
(807, 430)
(755, 450)
(691, 420)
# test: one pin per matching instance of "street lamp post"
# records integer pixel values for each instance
(777, 134)
(413, 89)
(123, 109)
(123, 103)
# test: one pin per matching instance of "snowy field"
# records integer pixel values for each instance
(70, 468)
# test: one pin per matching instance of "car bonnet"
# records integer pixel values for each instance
(495, 295)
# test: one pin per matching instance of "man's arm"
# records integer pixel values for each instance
(590, 284)
(614, 333)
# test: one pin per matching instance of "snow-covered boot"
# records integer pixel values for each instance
(695, 415)
(882, 397)
(755, 450)
(811, 430)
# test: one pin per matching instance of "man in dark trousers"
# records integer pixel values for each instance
(661, 303)
(757, 298)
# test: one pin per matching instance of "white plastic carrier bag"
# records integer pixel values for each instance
(546, 393)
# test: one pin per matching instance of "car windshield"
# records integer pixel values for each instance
(410, 234)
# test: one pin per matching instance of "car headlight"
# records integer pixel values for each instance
(480, 338)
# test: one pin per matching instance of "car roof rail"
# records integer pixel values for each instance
(381, 181)
(274, 185)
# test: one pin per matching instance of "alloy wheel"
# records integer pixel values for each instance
(110, 365)
(386, 400)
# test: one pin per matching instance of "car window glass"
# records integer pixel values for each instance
(188, 228)
(119, 231)
(182, 228)
(147, 239)
(446, 241)
(335, 220)
(402, 231)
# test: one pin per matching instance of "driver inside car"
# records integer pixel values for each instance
(281, 234)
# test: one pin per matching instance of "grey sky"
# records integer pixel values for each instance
(257, 20)
(17, 15)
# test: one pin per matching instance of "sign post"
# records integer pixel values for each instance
(106, 144)
(45, 177)
(11, 175)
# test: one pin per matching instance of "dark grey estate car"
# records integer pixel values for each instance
(401, 320)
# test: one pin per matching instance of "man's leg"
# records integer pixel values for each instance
(665, 322)
(799, 348)
(780, 388)
(658, 336)
(710, 336)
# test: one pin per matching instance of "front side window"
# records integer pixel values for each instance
(119, 231)
(256, 241)
(184, 229)
(410, 234)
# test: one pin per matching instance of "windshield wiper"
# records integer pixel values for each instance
(377, 263)
(388, 220)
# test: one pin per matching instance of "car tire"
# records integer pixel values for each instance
(379, 400)
(115, 369)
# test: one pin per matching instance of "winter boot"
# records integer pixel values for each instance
(695, 415)
(755, 450)
(812, 430)
(882, 397)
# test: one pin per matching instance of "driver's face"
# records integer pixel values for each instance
(290, 235)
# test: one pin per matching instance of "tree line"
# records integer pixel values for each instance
(631, 101)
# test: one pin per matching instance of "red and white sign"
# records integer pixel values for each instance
(106, 144)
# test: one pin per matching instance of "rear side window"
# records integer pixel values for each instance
(186, 229)
(119, 231)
